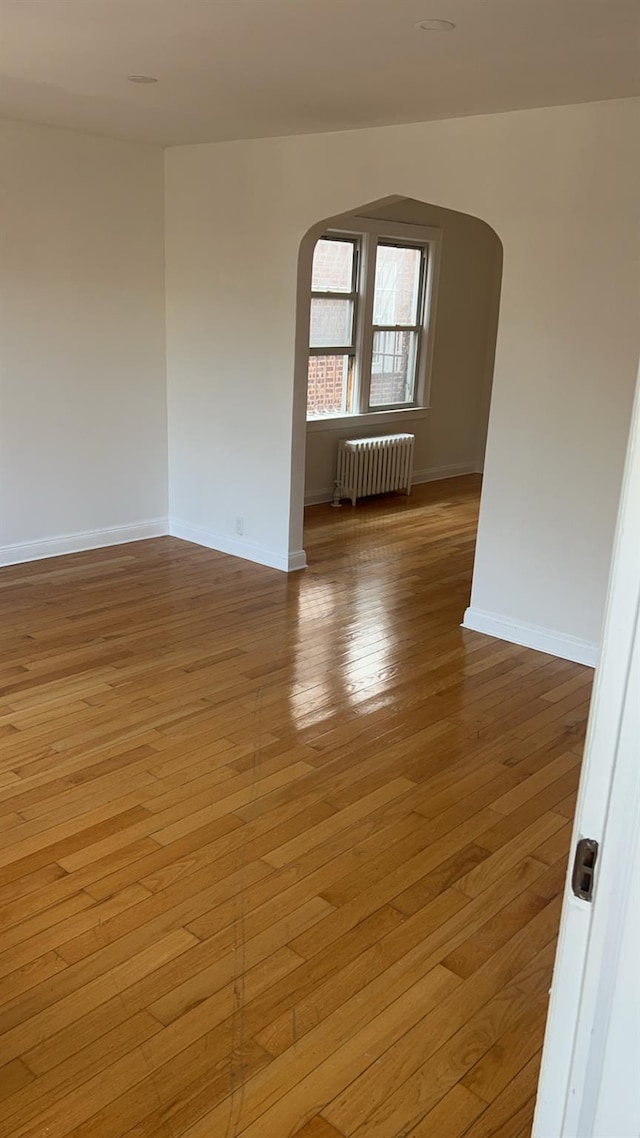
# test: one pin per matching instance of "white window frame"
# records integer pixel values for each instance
(369, 234)
(352, 348)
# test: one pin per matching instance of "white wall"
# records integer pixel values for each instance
(231, 286)
(82, 358)
(560, 188)
(451, 438)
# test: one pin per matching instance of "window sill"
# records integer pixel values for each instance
(371, 419)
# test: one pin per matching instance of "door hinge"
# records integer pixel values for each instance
(584, 865)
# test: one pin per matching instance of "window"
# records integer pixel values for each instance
(332, 348)
(368, 343)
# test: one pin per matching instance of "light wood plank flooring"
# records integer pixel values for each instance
(278, 855)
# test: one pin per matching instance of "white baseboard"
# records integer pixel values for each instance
(77, 542)
(431, 474)
(316, 497)
(296, 560)
(436, 473)
(236, 547)
(532, 636)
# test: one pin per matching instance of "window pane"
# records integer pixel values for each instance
(397, 285)
(329, 386)
(332, 266)
(331, 323)
(393, 368)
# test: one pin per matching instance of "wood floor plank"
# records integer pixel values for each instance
(87, 880)
(107, 954)
(556, 845)
(276, 935)
(343, 818)
(352, 905)
(31, 975)
(414, 898)
(536, 782)
(339, 1044)
(376, 1086)
(14, 1075)
(531, 811)
(88, 1050)
(341, 985)
(506, 1058)
(445, 1067)
(508, 856)
(26, 1036)
(511, 1113)
(318, 1128)
(484, 942)
(450, 1118)
(85, 1062)
(280, 855)
(165, 910)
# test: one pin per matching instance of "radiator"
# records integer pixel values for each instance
(373, 466)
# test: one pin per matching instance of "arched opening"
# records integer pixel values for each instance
(450, 419)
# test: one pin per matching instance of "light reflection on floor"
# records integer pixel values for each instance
(349, 663)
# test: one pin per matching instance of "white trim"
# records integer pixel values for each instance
(430, 474)
(87, 539)
(248, 550)
(532, 636)
(370, 419)
(296, 560)
(439, 473)
(370, 233)
(316, 497)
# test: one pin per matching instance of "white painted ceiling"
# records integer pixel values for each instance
(254, 68)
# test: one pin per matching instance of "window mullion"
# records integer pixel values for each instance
(316, 295)
(333, 350)
(365, 341)
(396, 327)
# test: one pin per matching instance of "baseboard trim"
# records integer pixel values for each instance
(438, 473)
(317, 497)
(532, 636)
(247, 550)
(296, 561)
(78, 542)
(430, 474)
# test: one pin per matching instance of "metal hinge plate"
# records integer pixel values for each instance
(584, 865)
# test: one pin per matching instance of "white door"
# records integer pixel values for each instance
(590, 1076)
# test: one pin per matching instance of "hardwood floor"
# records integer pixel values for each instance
(278, 855)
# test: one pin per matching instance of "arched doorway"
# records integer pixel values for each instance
(450, 421)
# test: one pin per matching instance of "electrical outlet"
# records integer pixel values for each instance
(239, 526)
